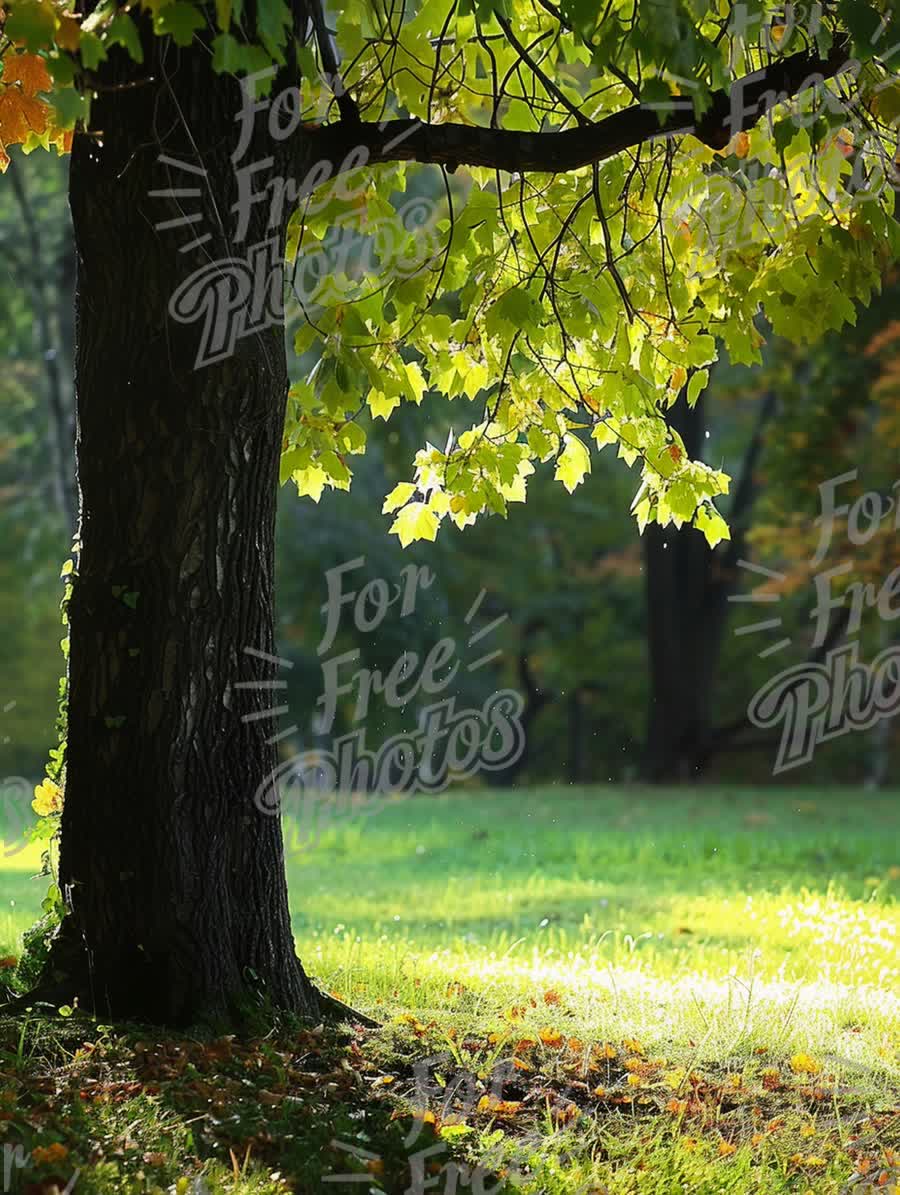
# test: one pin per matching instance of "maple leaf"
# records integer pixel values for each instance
(28, 70)
(24, 119)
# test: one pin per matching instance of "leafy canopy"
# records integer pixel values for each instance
(621, 191)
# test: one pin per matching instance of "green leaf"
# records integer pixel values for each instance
(412, 381)
(293, 459)
(223, 14)
(32, 22)
(696, 385)
(273, 19)
(655, 94)
(70, 107)
(92, 50)
(123, 32)
(180, 20)
(681, 498)
(231, 57)
(516, 309)
(713, 526)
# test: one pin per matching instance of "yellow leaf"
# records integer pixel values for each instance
(47, 798)
(415, 521)
(573, 463)
(380, 405)
(310, 481)
(805, 1064)
(398, 497)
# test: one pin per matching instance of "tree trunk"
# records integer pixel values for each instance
(684, 634)
(173, 879)
(688, 587)
(683, 651)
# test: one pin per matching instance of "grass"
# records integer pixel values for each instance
(628, 991)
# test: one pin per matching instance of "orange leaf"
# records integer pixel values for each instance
(29, 71)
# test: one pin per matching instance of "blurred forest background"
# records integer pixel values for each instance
(627, 649)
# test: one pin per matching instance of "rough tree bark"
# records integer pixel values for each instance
(174, 880)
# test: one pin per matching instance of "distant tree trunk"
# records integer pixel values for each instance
(55, 362)
(535, 698)
(878, 757)
(174, 880)
(575, 728)
(687, 587)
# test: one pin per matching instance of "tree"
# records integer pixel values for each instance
(606, 232)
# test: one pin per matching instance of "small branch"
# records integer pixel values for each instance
(549, 86)
(345, 102)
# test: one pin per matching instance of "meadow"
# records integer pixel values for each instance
(614, 990)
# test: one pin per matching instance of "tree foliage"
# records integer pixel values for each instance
(642, 182)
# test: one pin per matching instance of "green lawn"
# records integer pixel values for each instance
(691, 991)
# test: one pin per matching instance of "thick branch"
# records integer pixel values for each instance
(749, 98)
